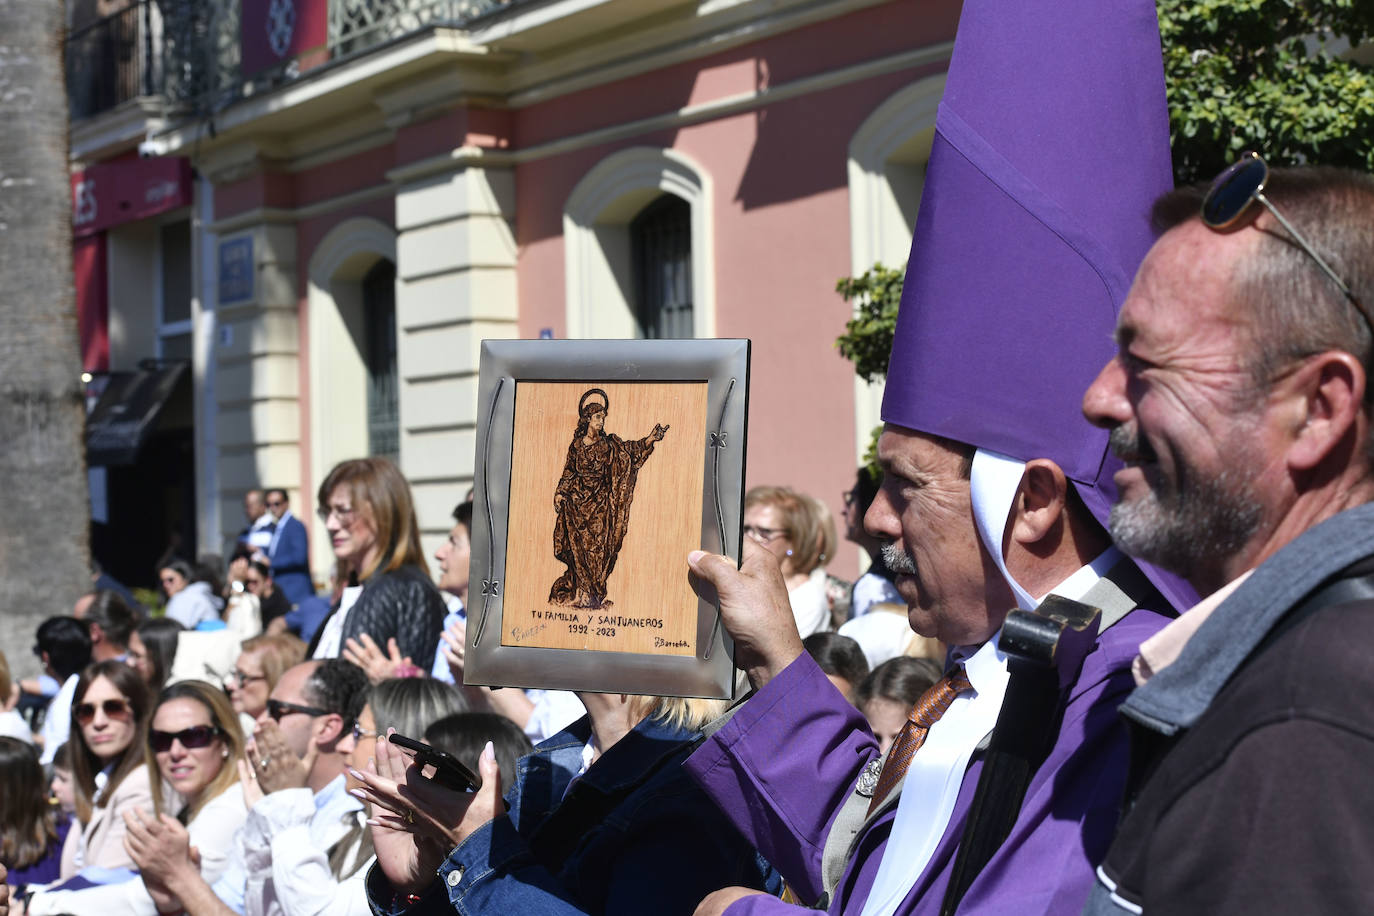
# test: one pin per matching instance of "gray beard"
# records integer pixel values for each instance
(1201, 523)
(897, 560)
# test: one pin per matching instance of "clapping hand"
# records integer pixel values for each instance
(274, 764)
(162, 850)
(414, 821)
(366, 654)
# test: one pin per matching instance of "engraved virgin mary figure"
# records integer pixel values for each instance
(592, 501)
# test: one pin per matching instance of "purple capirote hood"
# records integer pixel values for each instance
(1051, 142)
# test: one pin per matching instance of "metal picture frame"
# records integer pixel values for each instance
(527, 397)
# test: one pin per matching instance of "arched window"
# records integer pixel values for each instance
(640, 219)
(383, 400)
(351, 268)
(887, 166)
(661, 248)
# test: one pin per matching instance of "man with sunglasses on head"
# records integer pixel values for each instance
(301, 835)
(1240, 400)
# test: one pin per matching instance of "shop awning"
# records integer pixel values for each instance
(127, 411)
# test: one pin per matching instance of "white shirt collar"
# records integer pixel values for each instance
(1077, 585)
(933, 781)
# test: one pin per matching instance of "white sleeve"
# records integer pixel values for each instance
(280, 849)
(215, 831)
(554, 710)
(285, 812)
(305, 884)
(128, 898)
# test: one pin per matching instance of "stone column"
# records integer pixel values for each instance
(257, 363)
(455, 286)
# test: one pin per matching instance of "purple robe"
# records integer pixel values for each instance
(782, 768)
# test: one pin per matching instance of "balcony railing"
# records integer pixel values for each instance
(189, 54)
(356, 25)
(113, 60)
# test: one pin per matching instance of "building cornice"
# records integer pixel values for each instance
(686, 116)
(513, 63)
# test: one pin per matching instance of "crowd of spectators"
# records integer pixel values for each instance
(205, 756)
(231, 751)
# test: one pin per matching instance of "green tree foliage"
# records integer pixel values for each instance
(1240, 74)
(1257, 74)
(867, 337)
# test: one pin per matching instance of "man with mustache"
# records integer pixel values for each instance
(992, 495)
(1240, 401)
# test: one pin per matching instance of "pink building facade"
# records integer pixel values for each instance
(369, 206)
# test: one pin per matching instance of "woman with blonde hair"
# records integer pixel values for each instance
(799, 531)
(602, 818)
(258, 668)
(366, 506)
(191, 751)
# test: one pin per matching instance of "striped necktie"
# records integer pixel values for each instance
(927, 711)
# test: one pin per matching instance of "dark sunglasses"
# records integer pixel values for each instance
(277, 708)
(114, 709)
(1230, 197)
(190, 738)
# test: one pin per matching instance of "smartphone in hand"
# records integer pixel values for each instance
(448, 771)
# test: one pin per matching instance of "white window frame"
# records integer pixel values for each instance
(596, 239)
(186, 326)
(888, 145)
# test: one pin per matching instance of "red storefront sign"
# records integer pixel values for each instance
(117, 192)
(274, 31)
(104, 196)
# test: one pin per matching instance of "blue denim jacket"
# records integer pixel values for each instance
(634, 835)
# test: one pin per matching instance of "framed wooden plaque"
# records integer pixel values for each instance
(600, 465)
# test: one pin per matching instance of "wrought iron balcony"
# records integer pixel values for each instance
(216, 52)
(114, 60)
(356, 25)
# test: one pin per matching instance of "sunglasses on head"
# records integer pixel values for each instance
(190, 738)
(278, 708)
(114, 709)
(1229, 199)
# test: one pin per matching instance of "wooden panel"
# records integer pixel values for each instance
(648, 606)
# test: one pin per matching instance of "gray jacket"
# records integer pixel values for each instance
(1229, 746)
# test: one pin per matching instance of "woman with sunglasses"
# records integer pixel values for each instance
(366, 506)
(192, 746)
(799, 531)
(109, 713)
